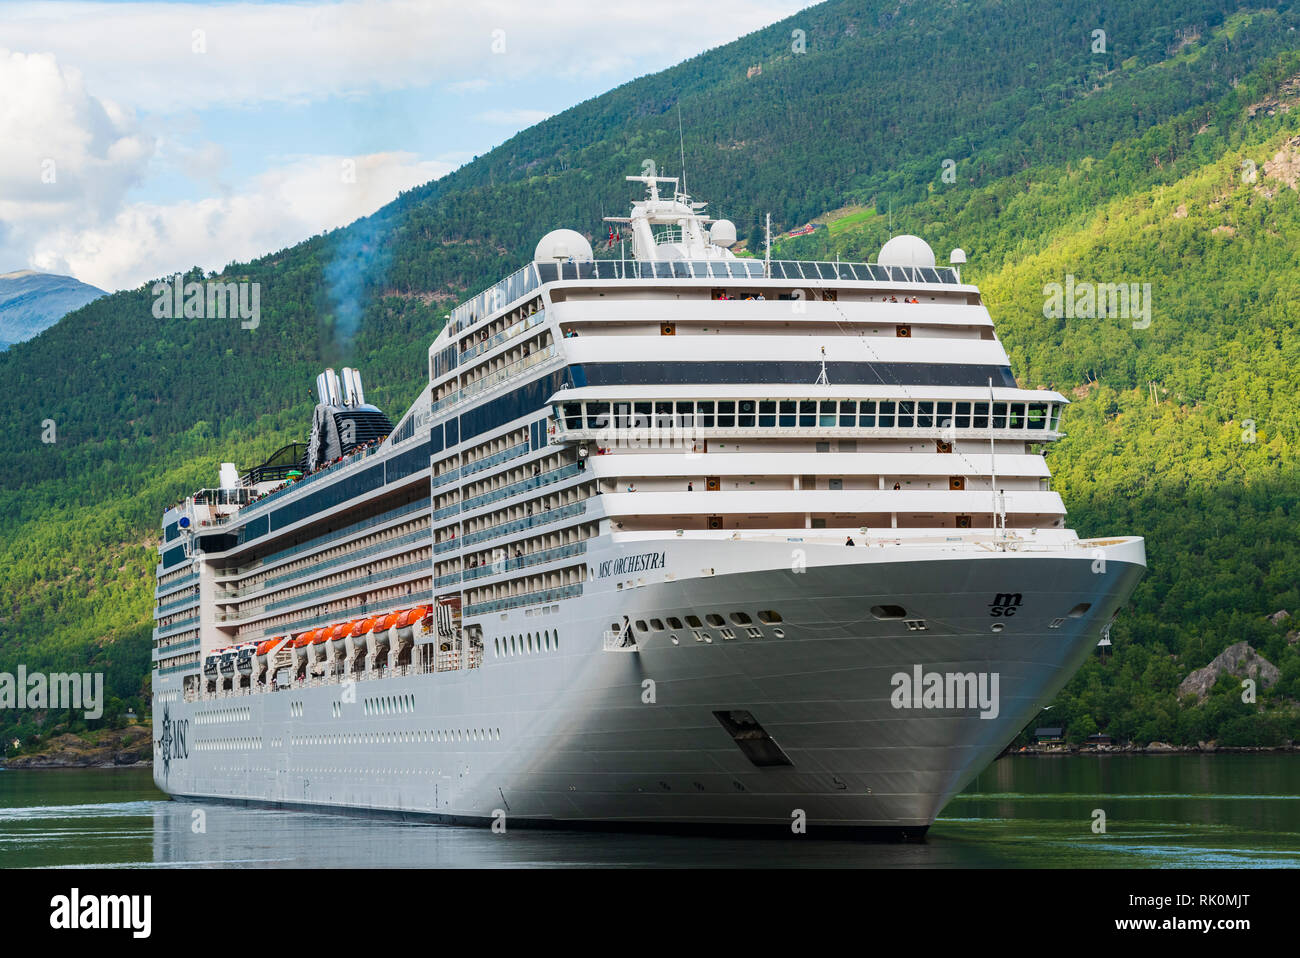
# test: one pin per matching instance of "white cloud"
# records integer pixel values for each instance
(68, 160)
(83, 150)
(63, 152)
(282, 206)
(168, 57)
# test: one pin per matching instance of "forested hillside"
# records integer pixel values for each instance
(1166, 155)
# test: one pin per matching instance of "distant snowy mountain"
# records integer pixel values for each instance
(32, 301)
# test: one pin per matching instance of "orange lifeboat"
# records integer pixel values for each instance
(331, 632)
(363, 626)
(264, 647)
(411, 617)
(388, 621)
(304, 640)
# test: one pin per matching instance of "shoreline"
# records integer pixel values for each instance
(46, 763)
(1155, 748)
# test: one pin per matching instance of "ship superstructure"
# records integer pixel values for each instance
(659, 544)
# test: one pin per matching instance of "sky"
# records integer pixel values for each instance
(138, 139)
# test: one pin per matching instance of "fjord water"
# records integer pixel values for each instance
(1161, 811)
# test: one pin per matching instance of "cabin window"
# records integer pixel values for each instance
(674, 622)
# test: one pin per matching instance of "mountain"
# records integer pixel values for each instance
(32, 301)
(1162, 152)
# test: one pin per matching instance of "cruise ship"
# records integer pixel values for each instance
(674, 539)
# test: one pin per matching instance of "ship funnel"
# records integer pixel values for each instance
(349, 391)
(352, 393)
(322, 390)
(332, 387)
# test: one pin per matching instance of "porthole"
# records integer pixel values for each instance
(767, 616)
(1080, 610)
(888, 612)
(657, 624)
(714, 619)
(740, 618)
(641, 626)
(674, 622)
(694, 622)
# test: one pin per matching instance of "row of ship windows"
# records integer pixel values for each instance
(766, 616)
(386, 705)
(432, 736)
(223, 715)
(415, 737)
(526, 644)
(809, 413)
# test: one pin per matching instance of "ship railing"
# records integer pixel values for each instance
(521, 562)
(478, 465)
(619, 640)
(522, 485)
(326, 470)
(517, 284)
(745, 269)
(506, 373)
(520, 327)
(448, 661)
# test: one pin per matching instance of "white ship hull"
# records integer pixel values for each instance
(578, 735)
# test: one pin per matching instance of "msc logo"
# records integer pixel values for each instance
(171, 744)
(1005, 604)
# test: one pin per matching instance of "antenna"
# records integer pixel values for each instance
(821, 377)
(767, 250)
(681, 139)
(993, 467)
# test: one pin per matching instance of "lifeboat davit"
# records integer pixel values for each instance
(381, 635)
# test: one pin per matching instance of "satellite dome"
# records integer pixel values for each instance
(562, 246)
(723, 233)
(906, 250)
